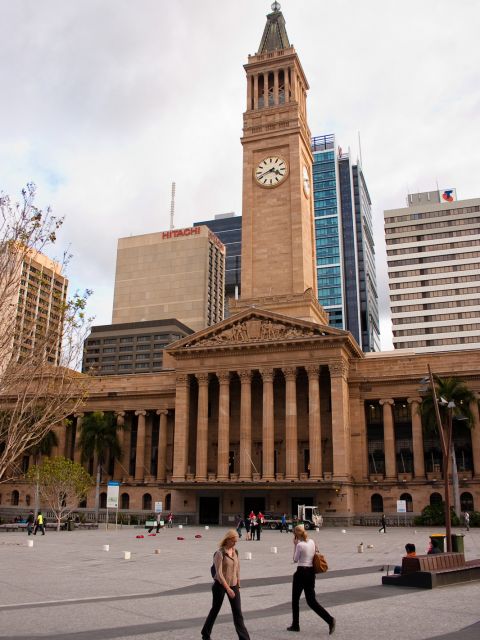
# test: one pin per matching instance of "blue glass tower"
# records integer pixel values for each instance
(345, 251)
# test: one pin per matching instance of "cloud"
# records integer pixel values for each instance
(106, 102)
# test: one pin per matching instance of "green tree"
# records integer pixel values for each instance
(42, 448)
(99, 440)
(453, 399)
(62, 485)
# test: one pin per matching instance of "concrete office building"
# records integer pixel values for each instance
(228, 228)
(433, 252)
(39, 294)
(171, 274)
(345, 252)
(132, 347)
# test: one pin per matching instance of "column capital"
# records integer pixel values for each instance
(290, 373)
(162, 412)
(245, 376)
(120, 415)
(79, 415)
(141, 412)
(312, 370)
(338, 369)
(181, 379)
(389, 401)
(223, 377)
(267, 375)
(202, 379)
(413, 400)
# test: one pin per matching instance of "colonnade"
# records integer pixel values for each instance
(275, 87)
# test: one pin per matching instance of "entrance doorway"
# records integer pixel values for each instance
(255, 504)
(208, 510)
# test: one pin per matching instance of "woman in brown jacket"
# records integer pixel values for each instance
(227, 580)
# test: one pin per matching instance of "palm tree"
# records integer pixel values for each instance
(98, 437)
(452, 398)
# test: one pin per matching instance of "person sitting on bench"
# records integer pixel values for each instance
(411, 553)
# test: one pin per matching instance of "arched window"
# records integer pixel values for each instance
(15, 498)
(408, 499)
(27, 500)
(125, 501)
(435, 498)
(466, 501)
(103, 500)
(82, 504)
(168, 502)
(147, 502)
(377, 503)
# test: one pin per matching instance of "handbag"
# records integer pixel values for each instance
(319, 563)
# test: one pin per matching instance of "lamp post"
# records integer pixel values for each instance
(445, 432)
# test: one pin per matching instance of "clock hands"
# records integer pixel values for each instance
(266, 172)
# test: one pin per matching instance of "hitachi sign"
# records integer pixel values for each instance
(176, 233)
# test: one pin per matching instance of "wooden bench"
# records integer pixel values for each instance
(434, 570)
(13, 526)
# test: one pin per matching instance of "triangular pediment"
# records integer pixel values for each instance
(255, 327)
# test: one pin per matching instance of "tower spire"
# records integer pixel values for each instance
(275, 34)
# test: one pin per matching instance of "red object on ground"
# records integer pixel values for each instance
(180, 538)
(139, 536)
(198, 536)
(150, 535)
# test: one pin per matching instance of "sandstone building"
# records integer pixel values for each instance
(272, 407)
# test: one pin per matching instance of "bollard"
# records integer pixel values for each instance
(273, 549)
(207, 527)
(127, 555)
(344, 531)
(29, 543)
(360, 547)
(180, 526)
(317, 528)
(106, 547)
(248, 555)
(157, 551)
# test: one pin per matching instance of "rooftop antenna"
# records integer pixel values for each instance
(172, 206)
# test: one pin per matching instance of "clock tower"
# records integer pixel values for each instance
(278, 239)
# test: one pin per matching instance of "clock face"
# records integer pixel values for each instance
(306, 181)
(271, 171)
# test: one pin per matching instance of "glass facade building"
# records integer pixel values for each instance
(346, 275)
(228, 228)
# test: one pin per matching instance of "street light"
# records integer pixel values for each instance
(445, 433)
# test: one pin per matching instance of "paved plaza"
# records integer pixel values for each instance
(68, 587)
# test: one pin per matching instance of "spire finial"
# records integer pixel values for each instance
(276, 6)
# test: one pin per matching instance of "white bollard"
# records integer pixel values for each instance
(360, 548)
(180, 526)
(29, 543)
(106, 547)
(248, 555)
(344, 531)
(273, 549)
(127, 555)
(317, 528)
(157, 551)
(207, 527)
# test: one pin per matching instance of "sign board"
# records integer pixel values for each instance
(113, 490)
(158, 507)
(401, 506)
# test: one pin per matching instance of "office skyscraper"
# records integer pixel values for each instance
(346, 276)
(433, 253)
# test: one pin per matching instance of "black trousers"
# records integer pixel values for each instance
(304, 580)
(219, 593)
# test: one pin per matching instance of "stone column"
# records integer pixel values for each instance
(119, 465)
(60, 431)
(287, 85)
(275, 87)
(267, 425)
(340, 419)
(140, 453)
(265, 90)
(162, 446)
(388, 438)
(180, 445)
(245, 425)
(255, 91)
(249, 93)
(417, 438)
(314, 426)
(475, 434)
(291, 438)
(77, 453)
(223, 424)
(202, 427)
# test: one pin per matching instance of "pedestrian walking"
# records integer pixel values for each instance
(466, 519)
(240, 524)
(260, 523)
(30, 523)
(226, 581)
(39, 524)
(283, 523)
(170, 520)
(158, 523)
(304, 580)
(383, 524)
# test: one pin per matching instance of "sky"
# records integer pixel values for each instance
(106, 102)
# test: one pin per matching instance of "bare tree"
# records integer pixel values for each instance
(40, 385)
(62, 485)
